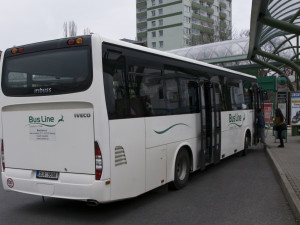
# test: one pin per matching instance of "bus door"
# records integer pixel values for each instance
(258, 104)
(211, 126)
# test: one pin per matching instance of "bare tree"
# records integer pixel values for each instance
(244, 33)
(86, 31)
(237, 34)
(70, 29)
(65, 29)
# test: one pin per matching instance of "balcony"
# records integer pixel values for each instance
(203, 29)
(196, 6)
(223, 16)
(141, 4)
(141, 15)
(223, 36)
(207, 30)
(140, 25)
(210, 1)
(140, 10)
(203, 18)
(222, 24)
(141, 35)
(197, 38)
(223, 5)
(196, 26)
(206, 40)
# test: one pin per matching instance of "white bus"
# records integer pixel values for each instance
(99, 120)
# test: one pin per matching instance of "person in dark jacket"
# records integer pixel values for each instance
(279, 119)
(260, 124)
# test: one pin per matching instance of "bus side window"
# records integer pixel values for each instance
(115, 85)
(248, 95)
(236, 94)
(219, 98)
(227, 97)
(189, 96)
(171, 95)
(181, 90)
(143, 85)
(193, 97)
(203, 106)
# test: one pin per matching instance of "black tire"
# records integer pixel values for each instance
(182, 170)
(247, 143)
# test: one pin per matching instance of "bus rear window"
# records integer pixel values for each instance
(47, 72)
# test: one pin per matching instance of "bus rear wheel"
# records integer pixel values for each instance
(182, 169)
(247, 143)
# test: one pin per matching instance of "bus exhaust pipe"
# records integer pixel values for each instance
(92, 203)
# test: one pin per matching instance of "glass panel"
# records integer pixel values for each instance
(236, 94)
(17, 80)
(48, 72)
(133, 92)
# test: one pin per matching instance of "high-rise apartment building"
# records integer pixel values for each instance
(172, 24)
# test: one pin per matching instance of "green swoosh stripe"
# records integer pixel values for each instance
(164, 131)
(236, 124)
(46, 125)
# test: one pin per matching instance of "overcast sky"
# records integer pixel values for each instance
(28, 21)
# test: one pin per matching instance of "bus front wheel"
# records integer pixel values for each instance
(182, 169)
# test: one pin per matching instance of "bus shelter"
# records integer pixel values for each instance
(274, 37)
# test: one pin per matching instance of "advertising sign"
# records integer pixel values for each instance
(268, 109)
(295, 108)
(283, 108)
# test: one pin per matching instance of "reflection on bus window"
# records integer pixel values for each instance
(237, 95)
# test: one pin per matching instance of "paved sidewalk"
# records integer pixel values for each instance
(286, 163)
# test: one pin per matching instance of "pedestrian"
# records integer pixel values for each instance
(279, 126)
(260, 125)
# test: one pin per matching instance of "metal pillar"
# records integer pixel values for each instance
(282, 60)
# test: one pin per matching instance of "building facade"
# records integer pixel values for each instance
(172, 24)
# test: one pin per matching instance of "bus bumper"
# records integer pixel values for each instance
(68, 186)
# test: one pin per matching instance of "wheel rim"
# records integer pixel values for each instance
(247, 142)
(181, 168)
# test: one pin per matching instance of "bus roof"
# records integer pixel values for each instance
(171, 55)
(210, 68)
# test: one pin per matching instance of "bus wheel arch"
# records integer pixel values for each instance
(247, 142)
(182, 167)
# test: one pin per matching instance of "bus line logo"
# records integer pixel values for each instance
(47, 121)
(236, 119)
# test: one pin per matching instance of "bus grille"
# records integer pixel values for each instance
(120, 157)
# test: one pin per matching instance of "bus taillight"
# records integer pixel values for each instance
(17, 50)
(2, 156)
(71, 42)
(78, 41)
(98, 162)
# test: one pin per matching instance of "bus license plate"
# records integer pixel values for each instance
(47, 175)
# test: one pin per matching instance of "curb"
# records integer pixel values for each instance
(285, 185)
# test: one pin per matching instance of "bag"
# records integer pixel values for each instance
(281, 127)
(284, 126)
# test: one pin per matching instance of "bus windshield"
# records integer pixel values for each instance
(47, 72)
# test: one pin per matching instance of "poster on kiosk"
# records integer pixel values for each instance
(295, 108)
